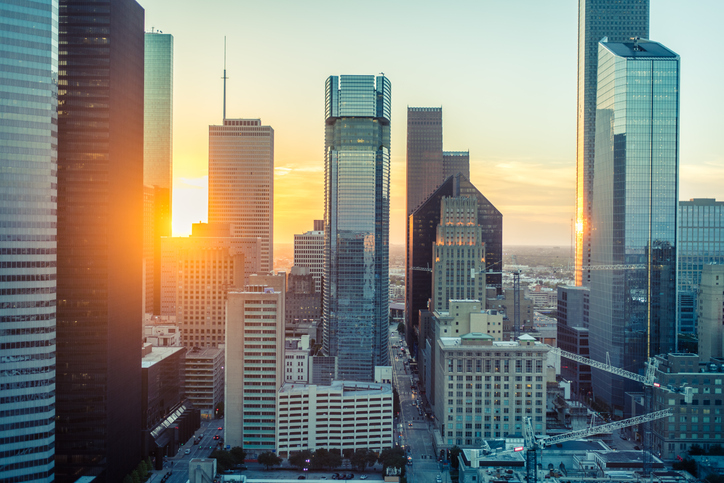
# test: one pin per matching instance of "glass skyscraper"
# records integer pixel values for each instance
(357, 210)
(157, 152)
(100, 239)
(28, 196)
(632, 309)
(701, 242)
(619, 20)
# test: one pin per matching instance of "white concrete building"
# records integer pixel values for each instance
(343, 415)
(309, 252)
(296, 360)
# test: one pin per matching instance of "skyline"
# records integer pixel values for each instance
(532, 182)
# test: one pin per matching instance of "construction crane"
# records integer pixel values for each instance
(532, 443)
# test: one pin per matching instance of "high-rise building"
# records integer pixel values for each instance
(618, 20)
(197, 273)
(28, 162)
(357, 211)
(459, 263)
(633, 310)
(422, 235)
(158, 150)
(241, 181)
(711, 312)
(701, 241)
(254, 363)
(100, 239)
(309, 252)
(572, 315)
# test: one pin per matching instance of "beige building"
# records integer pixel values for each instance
(458, 255)
(485, 388)
(197, 271)
(710, 313)
(254, 362)
(205, 379)
(341, 416)
(241, 181)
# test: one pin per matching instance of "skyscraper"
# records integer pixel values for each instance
(618, 20)
(422, 235)
(100, 231)
(158, 148)
(357, 209)
(28, 162)
(701, 242)
(241, 181)
(633, 310)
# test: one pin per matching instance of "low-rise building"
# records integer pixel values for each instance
(342, 416)
(296, 360)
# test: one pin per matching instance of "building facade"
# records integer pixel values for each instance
(459, 263)
(241, 181)
(100, 239)
(422, 234)
(619, 21)
(158, 149)
(339, 417)
(197, 273)
(572, 313)
(357, 211)
(701, 241)
(28, 162)
(204, 379)
(296, 360)
(485, 388)
(254, 363)
(424, 154)
(304, 302)
(711, 312)
(309, 252)
(633, 309)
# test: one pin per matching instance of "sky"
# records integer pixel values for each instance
(504, 73)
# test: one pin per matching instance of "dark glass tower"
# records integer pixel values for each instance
(619, 20)
(100, 227)
(633, 310)
(28, 194)
(424, 154)
(357, 211)
(422, 235)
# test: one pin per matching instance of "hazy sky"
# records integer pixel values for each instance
(504, 73)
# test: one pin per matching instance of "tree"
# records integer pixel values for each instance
(128, 479)
(401, 328)
(219, 410)
(300, 459)
(687, 464)
(135, 476)
(454, 453)
(334, 460)
(395, 401)
(362, 458)
(695, 450)
(269, 459)
(238, 453)
(224, 459)
(716, 450)
(149, 464)
(321, 458)
(393, 457)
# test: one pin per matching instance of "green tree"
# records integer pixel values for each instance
(695, 450)
(454, 453)
(135, 476)
(299, 459)
(334, 460)
(716, 450)
(393, 457)
(224, 459)
(395, 401)
(362, 458)
(269, 459)
(238, 453)
(128, 479)
(687, 464)
(401, 328)
(149, 464)
(320, 459)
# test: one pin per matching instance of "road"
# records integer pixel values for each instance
(413, 431)
(179, 464)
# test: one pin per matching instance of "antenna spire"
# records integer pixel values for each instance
(224, 77)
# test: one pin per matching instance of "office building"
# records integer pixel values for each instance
(100, 239)
(427, 164)
(197, 272)
(296, 360)
(422, 236)
(485, 388)
(204, 378)
(572, 314)
(692, 387)
(506, 304)
(701, 242)
(634, 211)
(711, 312)
(254, 363)
(341, 416)
(459, 265)
(158, 150)
(309, 252)
(28, 162)
(241, 181)
(303, 303)
(618, 20)
(357, 211)
(163, 382)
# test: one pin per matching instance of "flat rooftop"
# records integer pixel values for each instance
(158, 354)
(348, 388)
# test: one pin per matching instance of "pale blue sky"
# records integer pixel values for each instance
(503, 71)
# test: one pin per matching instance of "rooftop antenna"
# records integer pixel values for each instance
(224, 77)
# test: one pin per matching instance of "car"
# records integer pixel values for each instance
(220, 428)
(188, 451)
(409, 424)
(216, 437)
(438, 479)
(363, 477)
(301, 477)
(322, 477)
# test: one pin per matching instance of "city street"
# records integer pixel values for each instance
(179, 464)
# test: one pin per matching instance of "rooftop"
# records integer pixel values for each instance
(158, 354)
(347, 388)
(643, 49)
